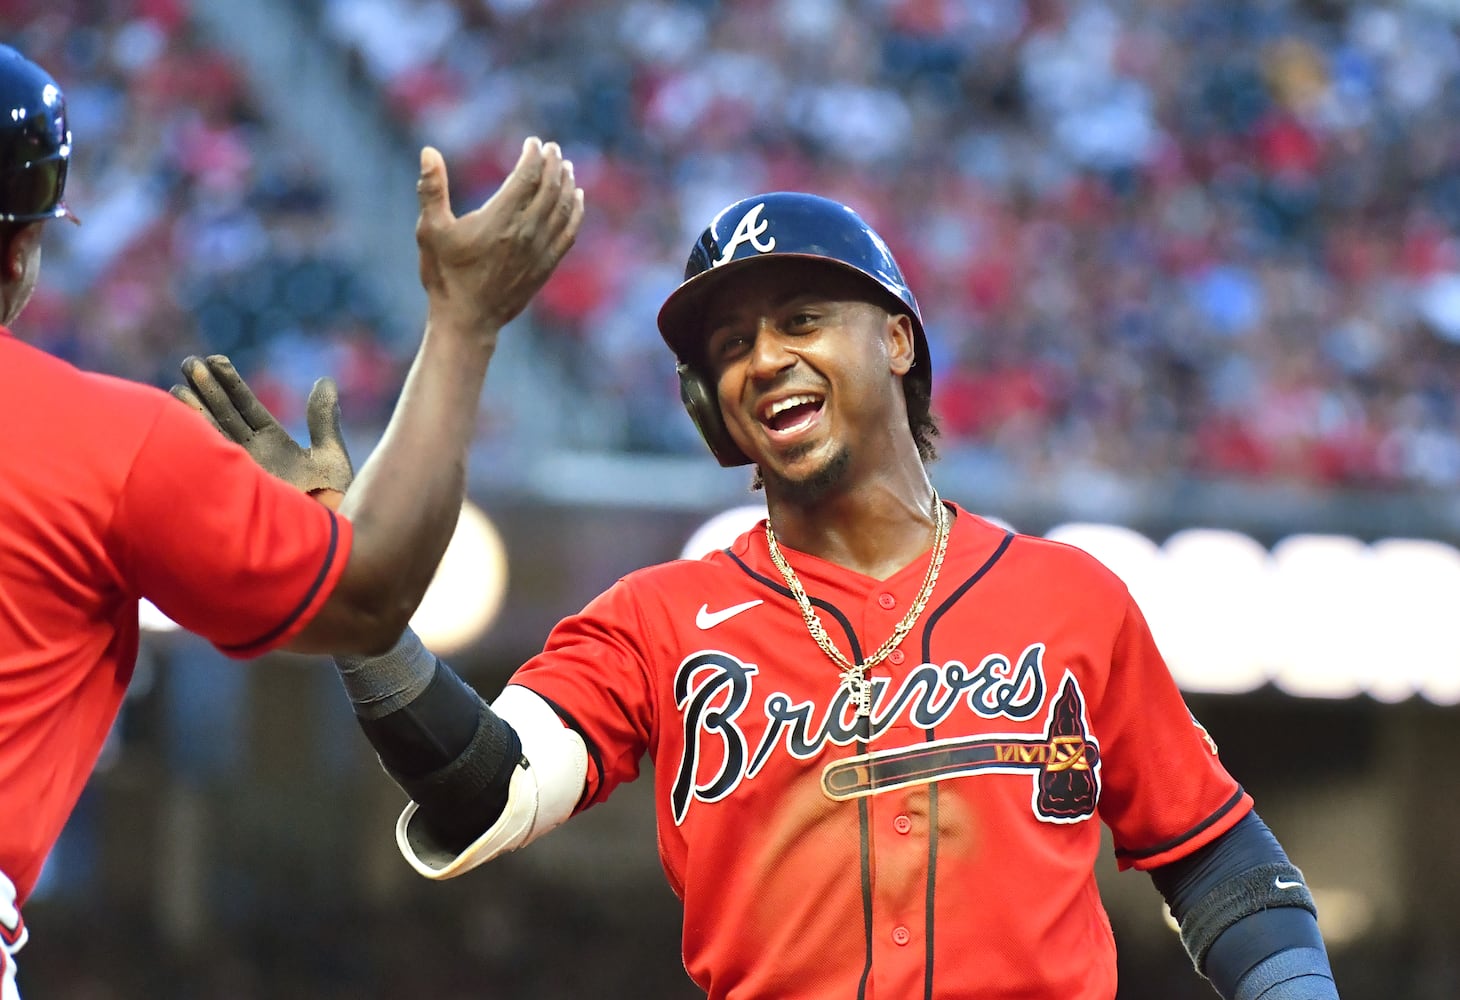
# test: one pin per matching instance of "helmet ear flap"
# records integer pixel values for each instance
(704, 409)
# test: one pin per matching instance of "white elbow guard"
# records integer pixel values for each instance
(543, 791)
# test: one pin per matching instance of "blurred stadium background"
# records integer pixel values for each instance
(1192, 283)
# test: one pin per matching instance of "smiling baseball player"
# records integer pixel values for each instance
(885, 731)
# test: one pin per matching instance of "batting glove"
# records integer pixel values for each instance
(224, 399)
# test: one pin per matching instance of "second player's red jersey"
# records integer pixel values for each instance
(945, 846)
(112, 492)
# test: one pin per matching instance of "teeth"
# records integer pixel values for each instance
(781, 406)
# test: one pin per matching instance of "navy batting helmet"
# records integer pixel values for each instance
(766, 227)
(35, 142)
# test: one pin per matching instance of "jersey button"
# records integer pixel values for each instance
(887, 601)
(901, 935)
(902, 824)
(895, 657)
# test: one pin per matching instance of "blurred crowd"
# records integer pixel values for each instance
(1149, 237)
(201, 231)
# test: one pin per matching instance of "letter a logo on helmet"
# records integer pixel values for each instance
(749, 229)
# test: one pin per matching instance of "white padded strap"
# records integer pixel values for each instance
(542, 793)
(13, 932)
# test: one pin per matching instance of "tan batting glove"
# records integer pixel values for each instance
(482, 268)
(221, 395)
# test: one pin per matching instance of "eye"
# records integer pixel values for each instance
(727, 344)
(803, 320)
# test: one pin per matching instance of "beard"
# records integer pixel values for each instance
(810, 488)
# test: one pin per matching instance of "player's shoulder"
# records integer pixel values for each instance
(1072, 564)
(99, 423)
(54, 381)
(117, 388)
(677, 574)
(675, 581)
(660, 595)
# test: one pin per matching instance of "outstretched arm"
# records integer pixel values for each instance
(477, 788)
(479, 271)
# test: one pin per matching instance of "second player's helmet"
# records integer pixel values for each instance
(35, 142)
(764, 228)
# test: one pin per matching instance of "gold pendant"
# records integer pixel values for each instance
(860, 689)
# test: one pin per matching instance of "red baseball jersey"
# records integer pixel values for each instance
(112, 492)
(944, 846)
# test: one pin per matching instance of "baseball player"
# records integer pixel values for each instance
(113, 492)
(885, 731)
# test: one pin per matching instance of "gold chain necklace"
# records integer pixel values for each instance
(854, 675)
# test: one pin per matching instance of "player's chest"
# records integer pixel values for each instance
(971, 688)
(926, 666)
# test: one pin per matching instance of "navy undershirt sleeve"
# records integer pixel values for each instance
(1254, 938)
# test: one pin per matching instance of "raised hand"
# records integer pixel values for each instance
(221, 395)
(481, 269)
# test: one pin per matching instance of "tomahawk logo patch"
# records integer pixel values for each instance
(749, 229)
(1206, 736)
(1064, 763)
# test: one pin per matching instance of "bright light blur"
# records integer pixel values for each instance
(1320, 616)
(1416, 582)
(1344, 915)
(152, 620)
(467, 591)
(722, 529)
(1216, 625)
(463, 600)
(1321, 604)
(1128, 554)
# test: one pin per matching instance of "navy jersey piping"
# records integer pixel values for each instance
(815, 601)
(864, 825)
(1177, 841)
(963, 588)
(303, 605)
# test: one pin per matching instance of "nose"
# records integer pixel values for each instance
(769, 355)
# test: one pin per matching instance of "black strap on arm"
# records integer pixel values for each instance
(452, 755)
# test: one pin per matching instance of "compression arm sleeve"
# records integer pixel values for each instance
(482, 779)
(435, 737)
(1247, 919)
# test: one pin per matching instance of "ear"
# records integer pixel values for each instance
(18, 248)
(901, 346)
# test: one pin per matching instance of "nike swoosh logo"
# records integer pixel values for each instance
(1285, 885)
(705, 618)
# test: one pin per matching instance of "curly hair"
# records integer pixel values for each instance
(920, 420)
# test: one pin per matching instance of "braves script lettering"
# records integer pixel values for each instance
(712, 689)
